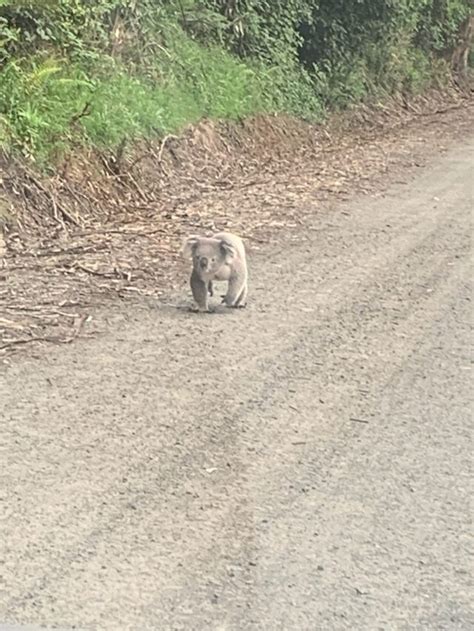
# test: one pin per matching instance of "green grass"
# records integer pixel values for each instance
(42, 98)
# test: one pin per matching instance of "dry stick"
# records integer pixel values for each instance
(56, 206)
(94, 272)
(79, 249)
(121, 177)
(151, 149)
(28, 341)
(443, 110)
(76, 197)
(60, 220)
(137, 188)
(49, 338)
(137, 160)
(163, 143)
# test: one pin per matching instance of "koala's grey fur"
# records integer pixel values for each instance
(220, 257)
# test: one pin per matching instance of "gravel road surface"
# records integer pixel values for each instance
(303, 464)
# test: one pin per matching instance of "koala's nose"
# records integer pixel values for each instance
(203, 262)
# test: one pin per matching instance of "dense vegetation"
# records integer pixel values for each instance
(75, 72)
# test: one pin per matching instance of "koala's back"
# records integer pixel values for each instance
(234, 240)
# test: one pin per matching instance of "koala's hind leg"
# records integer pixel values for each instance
(200, 292)
(237, 287)
(242, 299)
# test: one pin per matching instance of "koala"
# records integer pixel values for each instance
(220, 257)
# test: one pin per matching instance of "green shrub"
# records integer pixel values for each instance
(49, 105)
(76, 72)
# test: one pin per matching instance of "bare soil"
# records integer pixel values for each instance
(301, 464)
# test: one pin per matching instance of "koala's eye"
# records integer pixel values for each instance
(213, 260)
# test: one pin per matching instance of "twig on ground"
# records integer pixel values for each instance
(55, 204)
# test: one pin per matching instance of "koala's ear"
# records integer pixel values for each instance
(189, 245)
(228, 250)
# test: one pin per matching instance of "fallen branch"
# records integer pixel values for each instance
(51, 339)
(94, 272)
(55, 204)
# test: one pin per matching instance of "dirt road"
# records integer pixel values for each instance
(303, 464)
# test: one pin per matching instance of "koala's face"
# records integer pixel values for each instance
(208, 258)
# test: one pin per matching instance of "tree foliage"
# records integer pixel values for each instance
(148, 65)
(274, 31)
